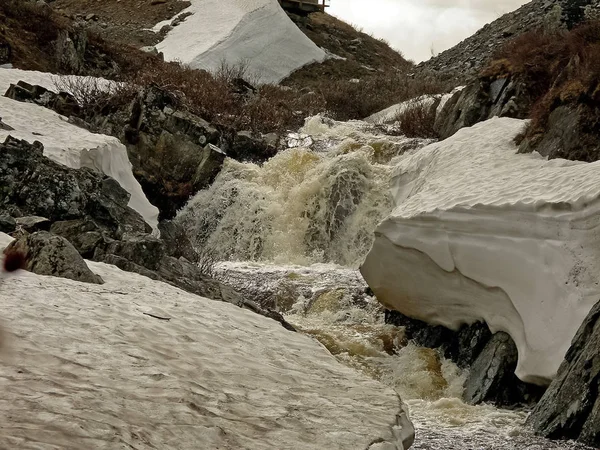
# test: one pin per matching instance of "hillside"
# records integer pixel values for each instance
(472, 54)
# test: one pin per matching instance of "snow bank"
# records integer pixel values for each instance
(68, 144)
(391, 113)
(479, 232)
(139, 364)
(254, 31)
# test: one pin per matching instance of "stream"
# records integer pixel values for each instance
(292, 233)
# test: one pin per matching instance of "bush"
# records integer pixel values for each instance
(417, 120)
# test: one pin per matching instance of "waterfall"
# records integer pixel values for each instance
(315, 203)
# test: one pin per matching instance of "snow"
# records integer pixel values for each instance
(390, 114)
(68, 144)
(481, 233)
(257, 32)
(87, 367)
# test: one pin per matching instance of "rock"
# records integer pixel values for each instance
(36, 185)
(48, 254)
(492, 376)
(569, 135)
(176, 242)
(482, 99)
(5, 52)
(246, 147)
(145, 251)
(31, 224)
(570, 408)
(70, 50)
(5, 127)
(174, 153)
(84, 234)
(7, 224)
(63, 102)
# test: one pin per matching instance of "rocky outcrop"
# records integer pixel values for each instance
(480, 233)
(34, 185)
(63, 102)
(570, 408)
(467, 58)
(48, 254)
(482, 99)
(571, 133)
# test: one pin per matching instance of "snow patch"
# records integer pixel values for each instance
(256, 32)
(136, 357)
(68, 144)
(479, 232)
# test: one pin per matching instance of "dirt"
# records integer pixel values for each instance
(125, 21)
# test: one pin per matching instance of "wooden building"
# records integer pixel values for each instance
(304, 6)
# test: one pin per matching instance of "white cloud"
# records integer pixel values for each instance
(416, 27)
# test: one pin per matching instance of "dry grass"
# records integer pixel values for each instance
(417, 120)
(559, 68)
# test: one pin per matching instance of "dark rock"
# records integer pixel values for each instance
(482, 99)
(176, 241)
(174, 153)
(70, 48)
(492, 376)
(145, 251)
(31, 224)
(48, 254)
(247, 147)
(5, 126)
(5, 52)
(63, 102)
(491, 359)
(570, 408)
(7, 224)
(571, 133)
(35, 185)
(84, 234)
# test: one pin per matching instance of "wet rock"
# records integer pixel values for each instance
(570, 408)
(5, 52)
(48, 254)
(491, 359)
(31, 224)
(492, 376)
(176, 241)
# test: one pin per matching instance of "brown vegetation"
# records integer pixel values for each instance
(417, 120)
(560, 68)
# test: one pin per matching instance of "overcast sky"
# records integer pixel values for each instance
(415, 27)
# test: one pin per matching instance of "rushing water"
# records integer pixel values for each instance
(293, 232)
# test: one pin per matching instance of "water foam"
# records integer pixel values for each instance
(305, 205)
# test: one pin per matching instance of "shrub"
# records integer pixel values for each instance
(417, 120)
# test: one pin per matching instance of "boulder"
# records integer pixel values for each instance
(48, 254)
(84, 234)
(174, 153)
(492, 376)
(176, 241)
(69, 50)
(571, 133)
(63, 102)
(570, 408)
